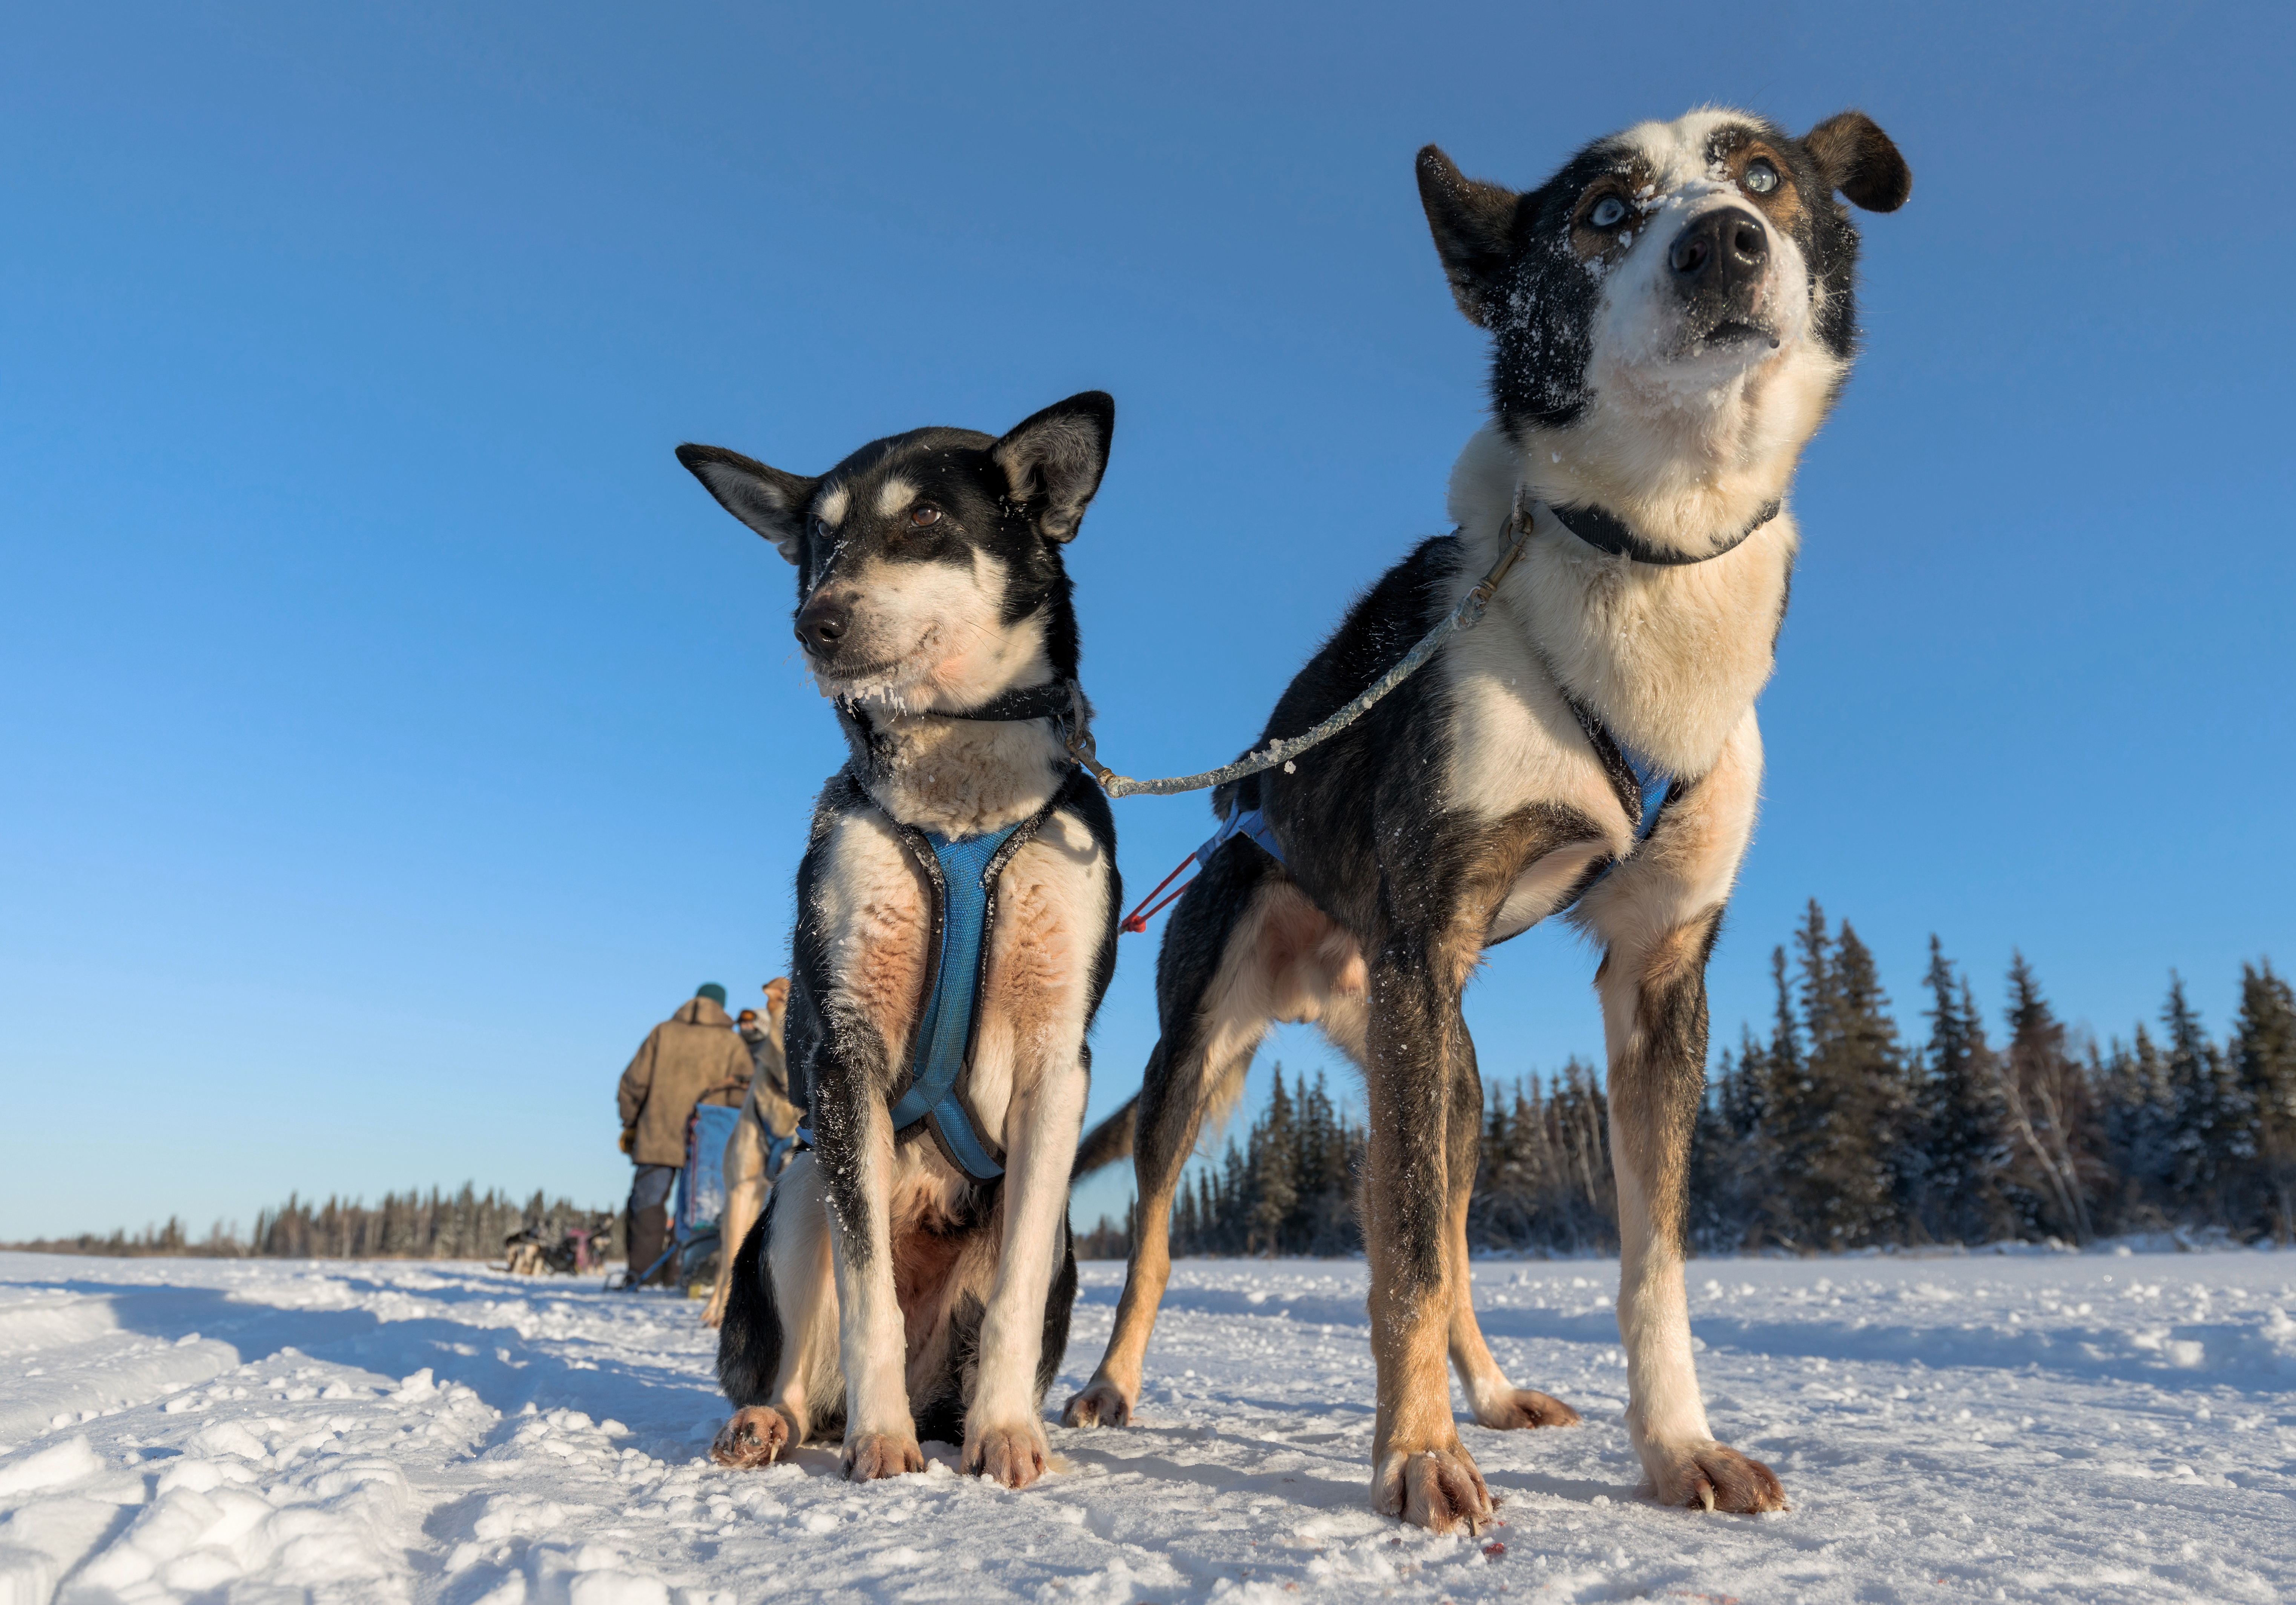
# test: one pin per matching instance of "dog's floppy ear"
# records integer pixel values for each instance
(767, 500)
(1474, 226)
(1856, 158)
(1053, 462)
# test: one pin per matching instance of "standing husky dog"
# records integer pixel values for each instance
(1672, 316)
(912, 1275)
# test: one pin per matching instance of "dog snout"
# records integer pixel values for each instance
(1719, 252)
(823, 622)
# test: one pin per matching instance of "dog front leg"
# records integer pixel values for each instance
(1658, 915)
(1004, 1437)
(1658, 1017)
(1421, 1472)
(855, 1135)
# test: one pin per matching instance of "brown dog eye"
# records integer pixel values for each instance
(924, 518)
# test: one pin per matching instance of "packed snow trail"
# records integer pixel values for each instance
(2086, 1427)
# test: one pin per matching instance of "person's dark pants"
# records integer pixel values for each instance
(649, 1228)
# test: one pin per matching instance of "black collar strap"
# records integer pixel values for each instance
(1605, 532)
(1048, 701)
(1054, 701)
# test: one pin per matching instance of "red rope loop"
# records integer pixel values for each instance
(1138, 920)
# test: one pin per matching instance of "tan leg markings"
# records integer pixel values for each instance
(1108, 1399)
(1654, 1085)
(1656, 913)
(1421, 1472)
(1285, 961)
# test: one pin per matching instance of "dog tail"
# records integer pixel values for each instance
(749, 1338)
(1105, 1143)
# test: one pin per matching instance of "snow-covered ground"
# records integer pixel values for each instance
(2092, 1428)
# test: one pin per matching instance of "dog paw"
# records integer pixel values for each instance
(1439, 1489)
(755, 1436)
(1102, 1403)
(1524, 1407)
(869, 1456)
(1013, 1456)
(1709, 1477)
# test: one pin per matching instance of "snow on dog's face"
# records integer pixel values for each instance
(1688, 283)
(928, 568)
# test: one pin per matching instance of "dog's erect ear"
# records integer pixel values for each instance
(767, 500)
(1053, 462)
(1474, 226)
(1857, 159)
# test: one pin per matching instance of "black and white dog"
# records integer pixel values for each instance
(912, 1275)
(1672, 314)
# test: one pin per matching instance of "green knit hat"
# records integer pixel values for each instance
(712, 990)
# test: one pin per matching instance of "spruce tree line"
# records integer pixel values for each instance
(1832, 1131)
(411, 1225)
(1837, 1133)
(1290, 1189)
(469, 1225)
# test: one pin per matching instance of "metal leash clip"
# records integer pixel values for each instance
(1075, 728)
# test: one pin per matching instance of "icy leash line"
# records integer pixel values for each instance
(1465, 617)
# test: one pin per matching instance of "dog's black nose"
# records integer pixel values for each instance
(1720, 250)
(822, 623)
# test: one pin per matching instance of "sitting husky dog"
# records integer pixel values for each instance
(912, 1275)
(1672, 316)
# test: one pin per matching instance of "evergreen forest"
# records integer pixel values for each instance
(1838, 1130)
(468, 1225)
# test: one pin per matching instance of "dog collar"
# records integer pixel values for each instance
(1049, 701)
(1055, 700)
(1606, 532)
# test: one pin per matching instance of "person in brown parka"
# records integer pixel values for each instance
(695, 1056)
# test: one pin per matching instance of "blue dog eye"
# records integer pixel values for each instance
(1761, 177)
(1609, 212)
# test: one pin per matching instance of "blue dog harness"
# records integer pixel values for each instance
(1642, 786)
(962, 873)
(1247, 822)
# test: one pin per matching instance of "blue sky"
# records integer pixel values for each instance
(393, 732)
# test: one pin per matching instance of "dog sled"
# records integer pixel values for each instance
(699, 1201)
(576, 1251)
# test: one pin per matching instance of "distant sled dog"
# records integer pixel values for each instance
(912, 1275)
(1672, 316)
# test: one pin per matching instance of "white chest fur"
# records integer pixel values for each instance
(1669, 658)
(961, 776)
